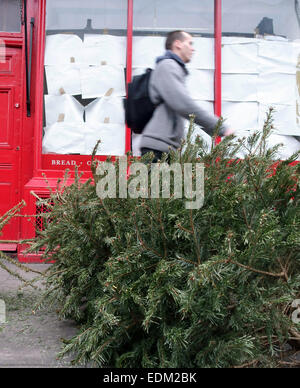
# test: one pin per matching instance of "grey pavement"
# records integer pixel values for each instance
(33, 340)
(30, 339)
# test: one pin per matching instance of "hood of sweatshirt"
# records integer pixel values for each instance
(170, 55)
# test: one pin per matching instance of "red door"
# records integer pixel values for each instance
(10, 135)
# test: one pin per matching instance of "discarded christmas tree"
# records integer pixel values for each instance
(7, 263)
(154, 284)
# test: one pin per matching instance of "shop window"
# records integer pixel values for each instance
(161, 16)
(84, 88)
(152, 20)
(261, 17)
(10, 15)
(260, 68)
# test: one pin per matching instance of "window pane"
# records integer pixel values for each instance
(10, 16)
(260, 66)
(248, 18)
(152, 20)
(166, 15)
(85, 60)
(74, 14)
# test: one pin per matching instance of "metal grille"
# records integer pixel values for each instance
(40, 220)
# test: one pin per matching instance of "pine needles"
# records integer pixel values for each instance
(155, 285)
(5, 259)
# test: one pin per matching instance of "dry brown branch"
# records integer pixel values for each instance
(179, 226)
(276, 275)
(11, 213)
(246, 365)
(195, 238)
(5, 257)
(163, 231)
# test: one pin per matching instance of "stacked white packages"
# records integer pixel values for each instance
(258, 74)
(92, 68)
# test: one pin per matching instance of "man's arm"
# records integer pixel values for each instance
(168, 82)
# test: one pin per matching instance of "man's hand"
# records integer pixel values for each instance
(228, 131)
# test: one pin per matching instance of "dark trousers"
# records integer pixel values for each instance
(157, 154)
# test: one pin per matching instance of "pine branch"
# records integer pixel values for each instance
(195, 237)
(16, 275)
(179, 226)
(246, 220)
(18, 264)
(142, 242)
(17, 241)
(162, 230)
(246, 365)
(276, 275)
(11, 213)
(257, 188)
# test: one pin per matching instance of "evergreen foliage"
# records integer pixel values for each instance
(7, 263)
(153, 284)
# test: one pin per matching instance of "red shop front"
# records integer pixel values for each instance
(65, 65)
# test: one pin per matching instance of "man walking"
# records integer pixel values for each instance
(167, 88)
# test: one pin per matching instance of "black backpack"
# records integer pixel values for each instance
(138, 106)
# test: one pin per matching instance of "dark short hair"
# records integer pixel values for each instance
(172, 36)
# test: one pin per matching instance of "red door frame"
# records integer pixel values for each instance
(129, 62)
(218, 57)
(11, 151)
(16, 40)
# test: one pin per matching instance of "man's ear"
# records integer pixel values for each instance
(177, 43)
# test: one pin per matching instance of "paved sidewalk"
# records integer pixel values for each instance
(29, 340)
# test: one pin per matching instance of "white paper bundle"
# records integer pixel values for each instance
(240, 58)
(64, 138)
(239, 87)
(97, 80)
(200, 84)
(106, 109)
(241, 115)
(145, 50)
(62, 49)
(112, 138)
(63, 79)
(104, 48)
(64, 108)
(279, 57)
(284, 117)
(290, 145)
(277, 88)
(204, 55)
(198, 131)
(296, 55)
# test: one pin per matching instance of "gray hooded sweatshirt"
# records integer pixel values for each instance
(167, 88)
